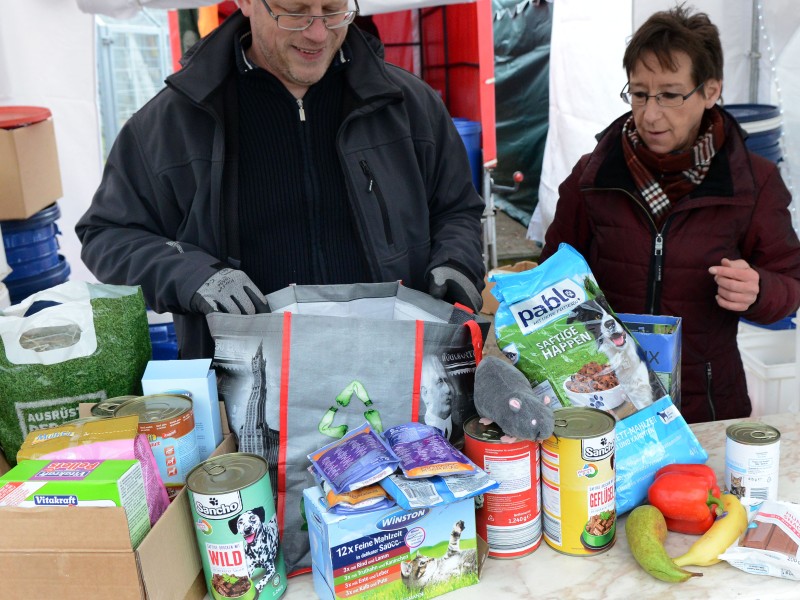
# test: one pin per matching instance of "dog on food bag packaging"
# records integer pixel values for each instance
(555, 325)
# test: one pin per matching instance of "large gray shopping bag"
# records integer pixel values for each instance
(329, 358)
(75, 342)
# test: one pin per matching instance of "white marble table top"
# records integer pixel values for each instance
(547, 574)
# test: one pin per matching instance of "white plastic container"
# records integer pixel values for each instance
(5, 300)
(770, 366)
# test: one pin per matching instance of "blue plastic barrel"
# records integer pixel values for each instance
(762, 122)
(19, 289)
(31, 251)
(38, 227)
(470, 132)
(164, 341)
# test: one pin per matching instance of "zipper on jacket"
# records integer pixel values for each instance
(302, 110)
(654, 294)
(658, 266)
(374, 188)
(711, 408)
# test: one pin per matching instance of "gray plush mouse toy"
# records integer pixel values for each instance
(504, 395)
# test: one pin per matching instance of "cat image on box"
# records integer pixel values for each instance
(424, 570)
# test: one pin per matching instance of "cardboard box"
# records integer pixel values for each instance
(660, 337)
(87, 553)
(490, 303)
(30, 178)
(359, 556)
(81, 483)
(200, 381)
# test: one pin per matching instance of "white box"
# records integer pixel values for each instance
(200, 380)
(769, 358)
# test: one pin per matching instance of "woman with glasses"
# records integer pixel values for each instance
(676, 217)
(285, 151)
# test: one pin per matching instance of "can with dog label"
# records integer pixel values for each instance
(106, 408)
(509, 517)
(579, 504)
(752, 457)
(168, 422)
(237, 530)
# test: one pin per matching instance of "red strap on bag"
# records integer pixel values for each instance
(286, 345)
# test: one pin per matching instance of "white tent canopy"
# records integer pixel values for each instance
(586, 75)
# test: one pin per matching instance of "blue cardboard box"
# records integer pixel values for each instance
(660, 338)
(386, 553)
(198, 380)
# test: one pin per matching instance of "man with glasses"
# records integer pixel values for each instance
(676, 217)
(285, 151)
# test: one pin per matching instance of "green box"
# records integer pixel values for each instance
(90, 483)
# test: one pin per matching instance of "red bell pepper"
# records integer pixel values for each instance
(702, 470)
(686, 500)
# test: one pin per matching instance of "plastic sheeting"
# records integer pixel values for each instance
(522, 56)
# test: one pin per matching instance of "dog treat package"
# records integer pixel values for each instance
(556, 326)
(114, 438)
(771, 543)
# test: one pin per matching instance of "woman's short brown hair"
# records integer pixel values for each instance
(677, 30)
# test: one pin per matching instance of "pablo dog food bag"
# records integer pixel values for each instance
(556, 326)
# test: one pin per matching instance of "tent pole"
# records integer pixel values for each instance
(755, 54)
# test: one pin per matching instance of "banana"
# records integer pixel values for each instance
(646, 531)
(725, 530)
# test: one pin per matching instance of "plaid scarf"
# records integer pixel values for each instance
(677, 173)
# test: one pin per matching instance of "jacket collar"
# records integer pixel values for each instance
(207, 64)
(607, 168)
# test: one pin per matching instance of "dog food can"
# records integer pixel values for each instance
(106, 408)
(508, 517)
(578, 481)
(752, 456)
(168, 422)
(236, 527)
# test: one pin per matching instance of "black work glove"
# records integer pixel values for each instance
(229, 291)
(447, 283)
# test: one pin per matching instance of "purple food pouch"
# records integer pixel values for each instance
(424, 451)
(358, 459)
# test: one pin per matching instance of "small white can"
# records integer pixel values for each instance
(752, 457)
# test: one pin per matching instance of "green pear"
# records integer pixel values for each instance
(646, 531)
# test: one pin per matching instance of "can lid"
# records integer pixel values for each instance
(155, 407)
(753, 433)
(582, 422)
(226, 473)
(12, 117)
(486, 432)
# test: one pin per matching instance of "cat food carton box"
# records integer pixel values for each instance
(660, 338)
(393, 553)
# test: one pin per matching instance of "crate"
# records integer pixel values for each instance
(771, 369)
